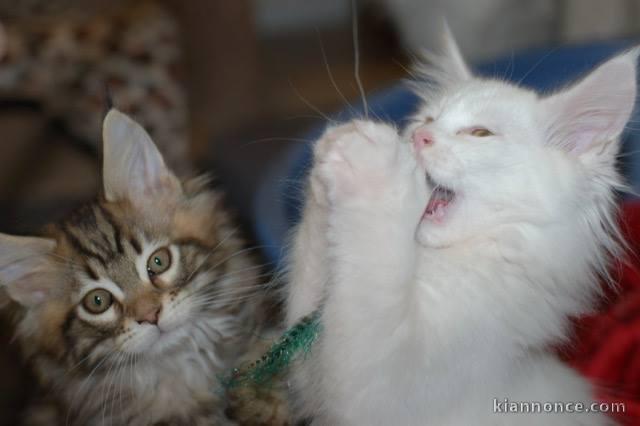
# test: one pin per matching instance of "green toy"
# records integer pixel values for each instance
(298, 339)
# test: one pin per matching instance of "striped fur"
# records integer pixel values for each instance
(112, 368)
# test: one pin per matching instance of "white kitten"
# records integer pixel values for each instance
(447, 261)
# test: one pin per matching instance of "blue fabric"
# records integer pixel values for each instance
(279, 199)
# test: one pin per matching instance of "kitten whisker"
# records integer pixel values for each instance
(330, 74)
(310, 105)
(627, 154)
(243, 270)
(108, 382)
(226, 282)
(234, 290)
(216, 301)
(83, 360)
(303, 116)
(214, 296)
(356, 58)
(405, 69)
(536, 65)
(120, 392)
(213, 250)
(235, 254)
(86, 380)
(222, 302)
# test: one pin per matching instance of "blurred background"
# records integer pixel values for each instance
(223, 86)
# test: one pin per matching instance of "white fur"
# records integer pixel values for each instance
(426, 322)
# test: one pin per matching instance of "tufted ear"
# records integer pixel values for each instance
(446, 66)
(452, 56)
(27, 272)
(133, 168)
(595, 110)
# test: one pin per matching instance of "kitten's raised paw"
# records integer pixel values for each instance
(359, 160)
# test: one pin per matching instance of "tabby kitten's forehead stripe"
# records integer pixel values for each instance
(117, 233)
(149, 283)
(93, 232)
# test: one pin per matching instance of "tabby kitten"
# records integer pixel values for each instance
(130, 309)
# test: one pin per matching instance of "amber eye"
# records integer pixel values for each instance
(481, 132)
(428, 120)
(159, 261)
(97, 301)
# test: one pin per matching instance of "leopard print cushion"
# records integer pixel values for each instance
(69, 64)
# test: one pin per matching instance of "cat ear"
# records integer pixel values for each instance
(133, 168)
(595, 110)
(452, 55)
(26, 272)
(447, 66)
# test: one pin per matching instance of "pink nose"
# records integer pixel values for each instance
(150, 316)
(422, 137)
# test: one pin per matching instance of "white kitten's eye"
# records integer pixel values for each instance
(480, 132)
(428, 120)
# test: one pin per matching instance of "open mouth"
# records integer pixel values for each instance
(441, 197)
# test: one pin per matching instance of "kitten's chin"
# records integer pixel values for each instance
(439, 231)
(153, 341)
(167, 341)
(430, 238)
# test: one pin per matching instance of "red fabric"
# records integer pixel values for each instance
(606, 347)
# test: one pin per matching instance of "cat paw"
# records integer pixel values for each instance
(361, 161)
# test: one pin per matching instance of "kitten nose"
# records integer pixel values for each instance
(150, 317)
(422, 137)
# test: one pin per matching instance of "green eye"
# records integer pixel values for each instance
(97, 301)
(159, 261)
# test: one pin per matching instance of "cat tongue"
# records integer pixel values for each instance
(435, 205)
(439, 200)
